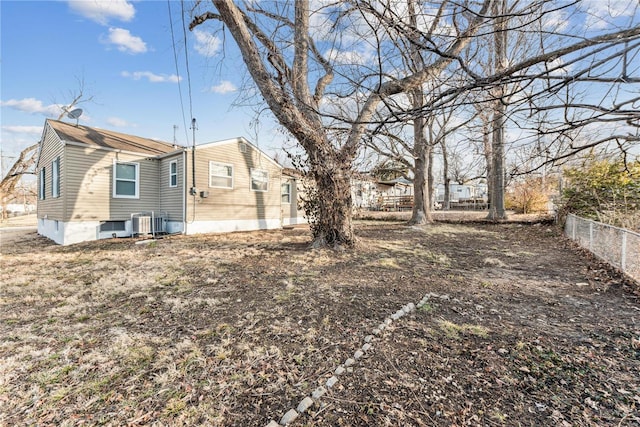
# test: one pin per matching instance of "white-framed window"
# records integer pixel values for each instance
(173, 173)
(55, 177)
(286, 192)
(220, 175)
(126, 180)
(259, 180)
(42, 187)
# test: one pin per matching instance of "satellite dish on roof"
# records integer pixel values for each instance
(75, 114)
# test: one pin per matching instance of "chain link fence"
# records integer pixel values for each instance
(617, 246)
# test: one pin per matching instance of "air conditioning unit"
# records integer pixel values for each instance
(147, 223)
(158, 224)
(141, 225)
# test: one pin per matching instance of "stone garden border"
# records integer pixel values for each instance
(292, 414)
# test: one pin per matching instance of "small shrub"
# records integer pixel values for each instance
(607, 191)
(529, 196)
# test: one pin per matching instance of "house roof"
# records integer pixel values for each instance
(401, 181)
(292, 173)
(108, 139)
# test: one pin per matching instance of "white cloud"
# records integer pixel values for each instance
(603, 12)
(206, 44)
(118, 122)
(32, 130)
(347, 57)
(151, 77)
(125, 41)
(33, 106)
(558, 66)
(101, 11)
(555, 21)
(225, 86)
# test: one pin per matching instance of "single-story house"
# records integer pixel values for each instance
(95, 183)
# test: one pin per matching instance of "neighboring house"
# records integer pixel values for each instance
(463, 192)
(364, 192)
(395, 195)
(94, 184)
(396, 187)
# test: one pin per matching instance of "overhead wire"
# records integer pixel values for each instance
(175, 61)
(193, 120)
(186, 59)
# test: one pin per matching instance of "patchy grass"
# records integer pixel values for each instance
(453, 331)
(234, 330)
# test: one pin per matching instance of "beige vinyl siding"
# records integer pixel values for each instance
(240, 202)
(171, 198)
(51, 147)
(89, 186)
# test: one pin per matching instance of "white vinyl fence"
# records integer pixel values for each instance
(617, 246)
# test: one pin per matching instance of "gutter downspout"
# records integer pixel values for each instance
(193, 158)
(194, 189)
(184, 192)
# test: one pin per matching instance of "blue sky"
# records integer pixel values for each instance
(123, 52)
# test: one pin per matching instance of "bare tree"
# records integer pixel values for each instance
(284, 82)
(294, 68)
(454, 166)
(24, 164)
(395, 144)
(524, 73)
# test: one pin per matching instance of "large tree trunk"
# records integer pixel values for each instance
(421, 213)
(332, 226)
(446, 203)
(497, 181)
(488, 156)
(497, 177)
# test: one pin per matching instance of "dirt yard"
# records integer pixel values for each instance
(520, 328)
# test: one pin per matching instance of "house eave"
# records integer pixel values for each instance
(116, 150)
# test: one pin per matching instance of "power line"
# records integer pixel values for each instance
(175, 60)
(186, 58)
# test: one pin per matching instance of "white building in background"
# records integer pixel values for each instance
(20, 208)
(463, 192)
